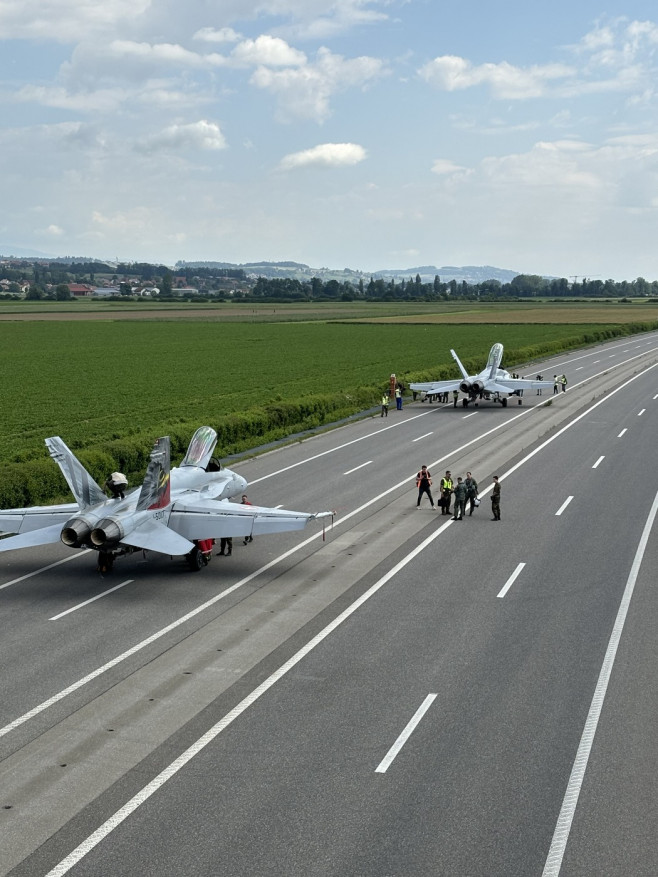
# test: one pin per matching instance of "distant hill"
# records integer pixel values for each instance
(300, 271)
(469, 273)
(8, 252)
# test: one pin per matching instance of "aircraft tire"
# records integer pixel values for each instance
(504, 401)
(195, 560)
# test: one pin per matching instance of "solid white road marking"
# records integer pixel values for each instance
(596, 465)
(421, 437)
(563, 827)
(90, 600)
(386, 762)
(622, 432)
(510, 581)
(356, 468)
(44, 569)
(640, 413)
(563, 506)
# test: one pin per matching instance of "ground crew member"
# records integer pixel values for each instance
(471, 490)
(398, 398)
(424, 483)
(555, 384)
(460, 500)
(446, 492)
(116, 484)
(455, 397)
(539, 378)
(563, 381)
(245, 501)
(495, 500)
(385, 405)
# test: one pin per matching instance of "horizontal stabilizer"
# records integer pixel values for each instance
(45, 536)
(155, 536)
(509, 385)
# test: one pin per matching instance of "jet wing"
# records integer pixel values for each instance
(36, 517)
(45, 536)
(436, 386)
(216, 520)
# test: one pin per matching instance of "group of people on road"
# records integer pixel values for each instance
(397, 395)
(464, 490)
(559, 381)
(226, 542)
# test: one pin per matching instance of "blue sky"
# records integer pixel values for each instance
(356, 133)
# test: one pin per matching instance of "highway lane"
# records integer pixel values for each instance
(62, 590)
(291, 786)
(138, 617)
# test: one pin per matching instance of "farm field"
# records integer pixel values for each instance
(531, 311)
(93, 382)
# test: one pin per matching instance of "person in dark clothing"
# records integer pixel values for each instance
(424, 483)
(245, 501)
(226, 546)
(471, 491)
(495, 500)
(460, 500)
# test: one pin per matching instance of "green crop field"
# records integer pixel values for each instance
(109, 387)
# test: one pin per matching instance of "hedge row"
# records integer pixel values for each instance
(37, 482)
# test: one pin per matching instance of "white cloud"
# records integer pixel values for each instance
(444, 166)
(54, 231)
(268, 51)
(223, 35)
(197, 135)
(451, 73)
(65, 20)
(305, 91)
(325, 155)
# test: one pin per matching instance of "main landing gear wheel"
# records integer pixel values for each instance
(195, 560)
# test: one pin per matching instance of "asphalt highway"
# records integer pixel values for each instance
(401, 694)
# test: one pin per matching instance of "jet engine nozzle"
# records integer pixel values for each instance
(107, 532)
(465, 387)
(478, 387)
(76, 532)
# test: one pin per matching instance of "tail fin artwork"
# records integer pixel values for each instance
(155, 493)
(200, 448)
(83, 487)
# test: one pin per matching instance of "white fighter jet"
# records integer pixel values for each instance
(172, 511)
(492, 383)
